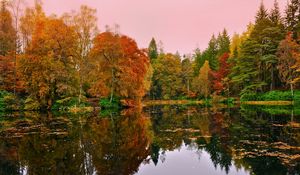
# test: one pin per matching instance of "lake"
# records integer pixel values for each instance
(156, 140)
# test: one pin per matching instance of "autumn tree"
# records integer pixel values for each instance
(85, 25)
(218, 76)
(120, 67)
(32, 16)
(201, 83)
(7, 31)
(166, 77)
(134, 77)
(49, 63)
(288, 64)
(6, 73)
(7, 47)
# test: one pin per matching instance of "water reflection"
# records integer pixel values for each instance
(156, 140)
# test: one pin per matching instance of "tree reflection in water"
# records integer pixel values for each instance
(249, 139)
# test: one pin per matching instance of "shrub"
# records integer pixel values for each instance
(277, 96)
(271, 96)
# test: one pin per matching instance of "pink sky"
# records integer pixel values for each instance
(181, 25)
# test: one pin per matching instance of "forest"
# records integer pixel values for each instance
(56, 62)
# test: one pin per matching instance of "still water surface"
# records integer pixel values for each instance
(157, 140)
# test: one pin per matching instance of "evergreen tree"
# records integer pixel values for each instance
(262, 13)
(152, 50)
(275, 16)
(248, 76)
(212, 53)
(223, 43)
(199, 61)
(256, 66)
(292, 17)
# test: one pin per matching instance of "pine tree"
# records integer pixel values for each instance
(256, 66)
(223, 43)
(212, 53)
(275, 15)
(292, 17)
(199, 61)
(262, 13)
(152, 50)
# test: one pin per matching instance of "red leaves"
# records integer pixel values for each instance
(122, 64)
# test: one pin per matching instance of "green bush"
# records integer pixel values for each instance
(277, 96)
(106, 104)
(250, 96)
(66, 103)
(271, 96)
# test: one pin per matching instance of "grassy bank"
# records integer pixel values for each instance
(272, 96)
(173, 102)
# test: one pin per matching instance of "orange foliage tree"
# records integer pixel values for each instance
(49, 65)
(289, 61)
(120, 67)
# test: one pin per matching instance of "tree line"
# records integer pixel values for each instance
(265, 57)
(48, 58)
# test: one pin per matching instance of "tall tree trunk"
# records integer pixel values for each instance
(112, 85)
(15, 70)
